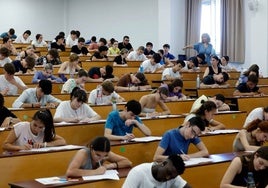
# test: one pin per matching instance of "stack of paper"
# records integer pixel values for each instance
(146, 139)
(109, 174)
(195, 161)
(56, 148)
(51, 180)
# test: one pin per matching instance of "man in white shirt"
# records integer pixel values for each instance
(152, 65)
(161, 175)
(72, 39)
(137, 55)
(24, 38)
(173, 72)
(257, 113)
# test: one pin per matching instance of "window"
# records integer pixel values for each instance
(210, 22)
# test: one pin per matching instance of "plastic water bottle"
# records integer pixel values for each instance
(99, 97)
(44, 61)
(197, 81)
(49, 45)
(114, 101)
(141, 69)
(250, 181)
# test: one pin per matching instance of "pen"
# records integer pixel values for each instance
(99, 163)
(182, 152)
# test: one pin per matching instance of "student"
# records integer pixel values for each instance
(39, 42)
(69, 67)
(4, 56)
(71, 39)
(173, 73)
(30, 51)
(101, 54)
(71, 83)
(253, 69)
(249, 88)
(103, 94)
(7, 118)
(206, 111)
(225, 64)
(25, 65)
(237, 173)
(132, 82)
(152, 65)
(174, 90)
(166, 48)
(51, 57)
(252, 137)
(37, 97)
(99, 74)
(163, 174)
(257, 113)
(92, 160)
(125, 44)
(46, 74)
(148, 51)
(114, 50)
(75, 110)
(10, 84)
(39, 133)
(177, 141)
(137, 55)
(59, 43)
(150, 101)
(120, 60)
(7, 43)
(24, 38)
(10, 34)
(80, 48)
(214, 68)
(119, 125)
(215, 81)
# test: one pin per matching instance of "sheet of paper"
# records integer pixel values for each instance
(225, 131)
(2, 128)
(109, 174)
(51, 180)
(195, 161)
(56, 148)
(146, 138)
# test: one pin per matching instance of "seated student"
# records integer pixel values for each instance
(52, 57)
(137, 55)
(103, 94)
(214, 68)
(132, 82)
(206, 111)
(7, 118)
(59, 43)
(166, 48)
(225, 64)
(30, 51)
(37, 97)
(99, 74)
(80, 48)
(120, 60)
(148, 51)
(152, 65)
(150, 101)
(215, 81)
(218, 99)
(101, 54)
(69, 67)
(10, 33)
(92, 160)
(173, 73)
(72, 39)
(249, 88)
(46, 74)
(25, 65)
(4, 56)
(199, 59)
(177, 141)
(257, 113)
(71, 83)
(24, 38)
(125, 44)
(252, 137)
(76, 109)
(163, 174)
(39, 133)
(114, 50)
(10, 84)
(174, 90)
(7, 43)
(119, 124)
(39, 41)
(237, 173)
(253, 69)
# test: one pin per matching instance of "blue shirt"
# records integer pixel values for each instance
(169, 56)
(173, 142)
(117, 125)
(5, 34)
(40, 76)
(208, 51)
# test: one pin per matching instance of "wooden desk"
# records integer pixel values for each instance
(249, 103)
(232, 120)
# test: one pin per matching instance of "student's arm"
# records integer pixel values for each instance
(188, 46)
(224, 107)
(57, 141)
(95, 80)
(62, 68)
(206, 72)
(143, 128)
(164, 107)
(117, 161)
(203, 151)
(9, 143)
(234, 168)
(142, 101)
(242, 135)
(215, 125)
(158, 155)
(108, 134)
(78, 160)
(239, 94)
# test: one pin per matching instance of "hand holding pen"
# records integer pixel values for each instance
(101, 169)
(129, 136)
(184, 156)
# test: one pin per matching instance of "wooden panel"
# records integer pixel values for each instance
(249, 103)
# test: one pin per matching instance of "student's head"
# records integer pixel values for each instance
(224, 60)
(93, 39)
(261, 127)
(253, 69)
(133, 108)
(219, 99)
(166, 48)
(215, 60)
(43, 120)
(149, 46)
(221, 78)
(7, 40)
(73, 34)
(126, 39)
(140, 50)
(114, 44)
(107, 88)
(99, 148)
(78, 97)
(44, 88)
(205, 38)
(139, 79)
(260, 161)
(162, 94)
(194, 127)
(206, 110)
(30, 50)
(107, 71)
(102, 42)
(2, 101)
(103, 50)
(4, 52)
(81, 41)
(28, 62)
(53, 54)
(201, 58)
(156, 58)
(62, 34)
(11, 31)
(124, 52)
(82, 77)
(179, 64)
(59, 39)
(48, 70)
(169, 168)
(74, 58)
(175, 86)
(26, 34)
(252, 81)
(39, 37)
(9, 70)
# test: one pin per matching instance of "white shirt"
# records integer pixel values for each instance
(256, 113)
(70, 42)
(4, 61)
(96, 97)
(20, 39)
(148, 67)
(141, 177)
(171, 73)
(13, 90)
(37, 44)
(64, 110)
(134, 56)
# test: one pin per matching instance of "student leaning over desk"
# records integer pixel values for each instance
(38, 133)
(92, 160)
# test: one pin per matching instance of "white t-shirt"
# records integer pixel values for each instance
(37, 44)
(68, 86)
(141, 177)
(4, 61)
(134, 56)
(256, 113)
(20, 39)
(70, 42)
(169, 71)
(13, 90)
(148, 67)
(24, 134)
(96, 97)
(64, 110)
